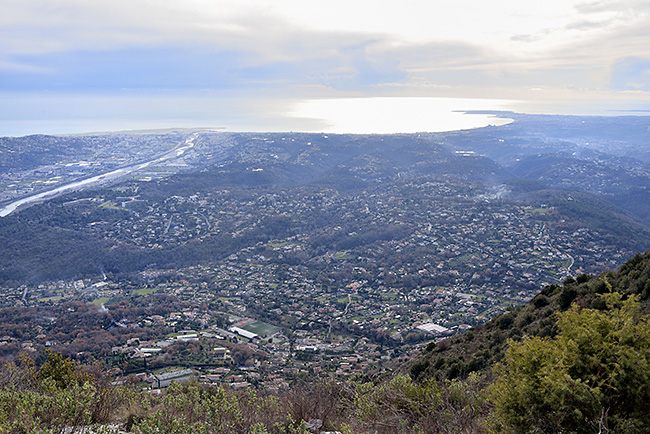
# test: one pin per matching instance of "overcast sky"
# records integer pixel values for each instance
(93, 58)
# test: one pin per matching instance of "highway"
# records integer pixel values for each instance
(99, 179)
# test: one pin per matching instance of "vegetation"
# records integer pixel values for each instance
(54, 397)
(586, 369)
(593, 377)
(62, 397)
(485, 345)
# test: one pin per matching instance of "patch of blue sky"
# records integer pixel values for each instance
(136, 68)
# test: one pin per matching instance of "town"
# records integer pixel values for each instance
(258, 260)
(325, 299)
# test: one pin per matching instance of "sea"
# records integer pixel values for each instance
(22, 115)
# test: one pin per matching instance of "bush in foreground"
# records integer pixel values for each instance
(593, 377)
(57, 396)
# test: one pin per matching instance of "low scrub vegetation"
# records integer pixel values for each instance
(62, 397)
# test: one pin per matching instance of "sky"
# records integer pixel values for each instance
(75, 65)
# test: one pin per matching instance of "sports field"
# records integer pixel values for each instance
(261, 328)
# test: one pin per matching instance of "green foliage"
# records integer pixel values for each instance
(404, 406)
(594, 375)
(62, 371)
(57, 396)
(195, 408)
(397, 406)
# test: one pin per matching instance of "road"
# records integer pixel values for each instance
(99, 179)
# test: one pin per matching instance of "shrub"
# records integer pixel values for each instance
(57, 396)
(593, 377)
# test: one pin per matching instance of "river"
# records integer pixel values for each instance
(99, 179)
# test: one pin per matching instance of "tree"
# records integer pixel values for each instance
(593, 377)
(62, 371)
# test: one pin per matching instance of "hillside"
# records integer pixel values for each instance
(353, 245)
(577, 173)
(588, 373)
(483, 346)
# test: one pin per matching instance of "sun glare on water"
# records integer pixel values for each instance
(388, 115)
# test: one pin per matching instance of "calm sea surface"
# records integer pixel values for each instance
(64, 114)
(51, 115)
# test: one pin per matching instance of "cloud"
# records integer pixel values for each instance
(609, 6)
(587, 25)
(363, 46)
(524, 38)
